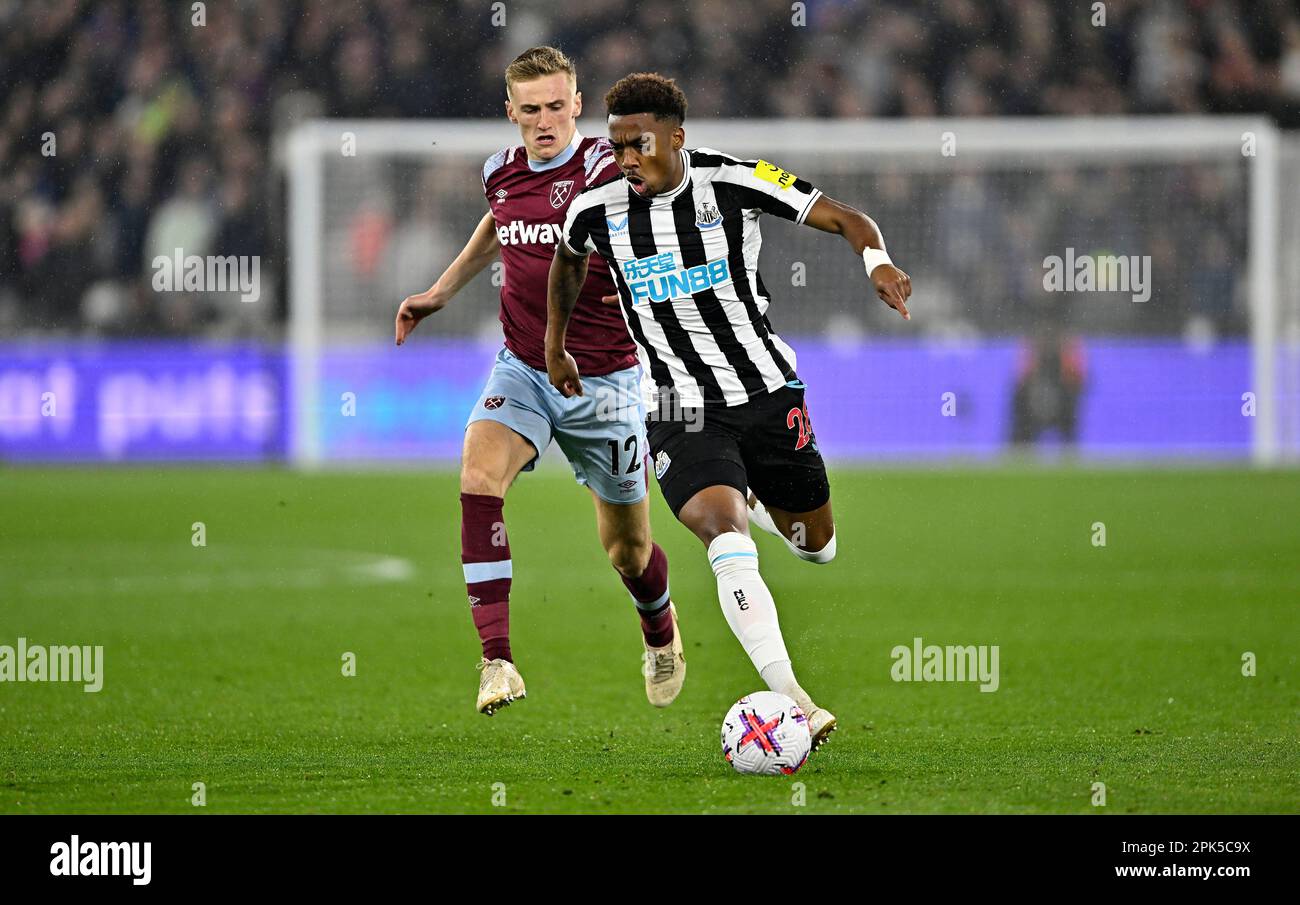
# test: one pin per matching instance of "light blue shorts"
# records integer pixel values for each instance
(602, 432)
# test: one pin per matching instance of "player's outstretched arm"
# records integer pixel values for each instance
(568, 273)
(892, 285)
(478, 253)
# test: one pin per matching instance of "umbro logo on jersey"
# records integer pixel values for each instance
(501, 194)
(560, 192)
(707, 216)
(616, 226)
(494, 402)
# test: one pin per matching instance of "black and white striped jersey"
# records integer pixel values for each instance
(686, 266)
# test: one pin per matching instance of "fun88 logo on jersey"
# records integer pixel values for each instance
(658, 278)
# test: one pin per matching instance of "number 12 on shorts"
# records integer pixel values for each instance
(629, 445)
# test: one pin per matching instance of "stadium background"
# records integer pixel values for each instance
(1125, 598)
(173, 136)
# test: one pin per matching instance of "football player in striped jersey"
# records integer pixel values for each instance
(731, 435)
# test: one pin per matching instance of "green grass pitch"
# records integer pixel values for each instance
(1119, 664)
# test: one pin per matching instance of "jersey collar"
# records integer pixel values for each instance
(559, 160)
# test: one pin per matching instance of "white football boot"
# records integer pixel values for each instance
(664, 667)
(821, 723)
(499, 684)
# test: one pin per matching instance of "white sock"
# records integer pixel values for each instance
(746, 602)
(780, 678)
(763, 519)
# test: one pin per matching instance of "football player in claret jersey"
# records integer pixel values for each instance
(528, 190)
(680, 234)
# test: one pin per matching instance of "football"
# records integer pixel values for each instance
(765, 732)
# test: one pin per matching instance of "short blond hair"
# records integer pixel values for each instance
(536, 62)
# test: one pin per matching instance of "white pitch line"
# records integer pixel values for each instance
(370, 569)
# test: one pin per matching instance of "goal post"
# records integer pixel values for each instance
(973, 208)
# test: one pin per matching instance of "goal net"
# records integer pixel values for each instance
(1111, 288)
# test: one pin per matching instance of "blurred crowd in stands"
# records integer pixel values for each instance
(129, 129)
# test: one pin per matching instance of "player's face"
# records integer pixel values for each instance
(546, 110)
(645, 149)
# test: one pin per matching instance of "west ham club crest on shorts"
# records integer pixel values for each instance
(560, 192)
(494, 402)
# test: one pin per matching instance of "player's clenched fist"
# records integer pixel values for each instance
(894, 287)
(563, 372)
(414, 309)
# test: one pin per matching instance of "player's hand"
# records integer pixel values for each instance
(414, 309)
(563, 371)
(610, 299)
(894, 288)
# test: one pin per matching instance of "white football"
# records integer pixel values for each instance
(765, 732)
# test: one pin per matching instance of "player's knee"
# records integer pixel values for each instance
(714, 525)
(629, 557)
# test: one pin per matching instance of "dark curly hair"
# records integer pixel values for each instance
(646, 92)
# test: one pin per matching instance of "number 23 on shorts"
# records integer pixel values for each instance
(800, 416)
